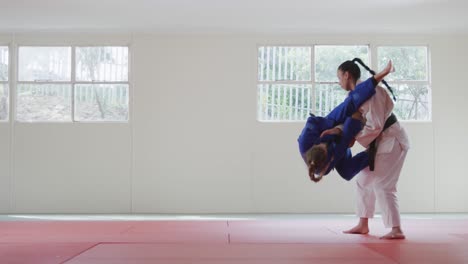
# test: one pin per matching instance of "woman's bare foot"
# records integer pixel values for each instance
(362, 227)
(396, 233)
(359, 229)
(388, 69)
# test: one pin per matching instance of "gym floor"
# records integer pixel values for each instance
(220, 239)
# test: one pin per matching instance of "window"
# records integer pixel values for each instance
(284, 83)
(44, 84)
(328, 93)
(286, 89)
(4, 88)
(94, 89)
(101, 89)
(290, 86)
(410, 81)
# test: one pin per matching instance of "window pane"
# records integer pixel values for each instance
(327, 97)
(44, 64)
(413, 101)
(101, 102)
(44, 102)
(4, 63)
(410, 62)
(284, 102)
(4, 102)
(328, 58)
(102, 64)
(284, 63)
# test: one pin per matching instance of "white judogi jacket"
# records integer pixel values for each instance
(375, 112)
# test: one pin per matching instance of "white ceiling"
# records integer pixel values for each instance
(237, 16)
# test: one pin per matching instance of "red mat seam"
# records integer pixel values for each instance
(381, 254)
(229, 234)
(83, 251)
(159, 243)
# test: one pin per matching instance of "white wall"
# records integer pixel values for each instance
(450, 124)
(194, 146)
(5, 168)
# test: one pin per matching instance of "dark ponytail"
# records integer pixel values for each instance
(358, 60)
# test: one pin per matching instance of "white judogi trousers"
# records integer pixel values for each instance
(392, 146)
(381, 184)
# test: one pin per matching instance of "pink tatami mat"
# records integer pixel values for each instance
(258, 241)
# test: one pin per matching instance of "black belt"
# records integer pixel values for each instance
(392, 119)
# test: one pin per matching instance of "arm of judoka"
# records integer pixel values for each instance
(337, 130)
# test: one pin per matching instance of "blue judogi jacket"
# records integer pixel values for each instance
(338, 147)
(339, 153)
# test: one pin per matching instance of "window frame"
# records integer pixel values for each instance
(72, 83)
(75, 82)
(427, 82)
(45, 82)
(373, 63)
(317, 83)
(285, 82)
